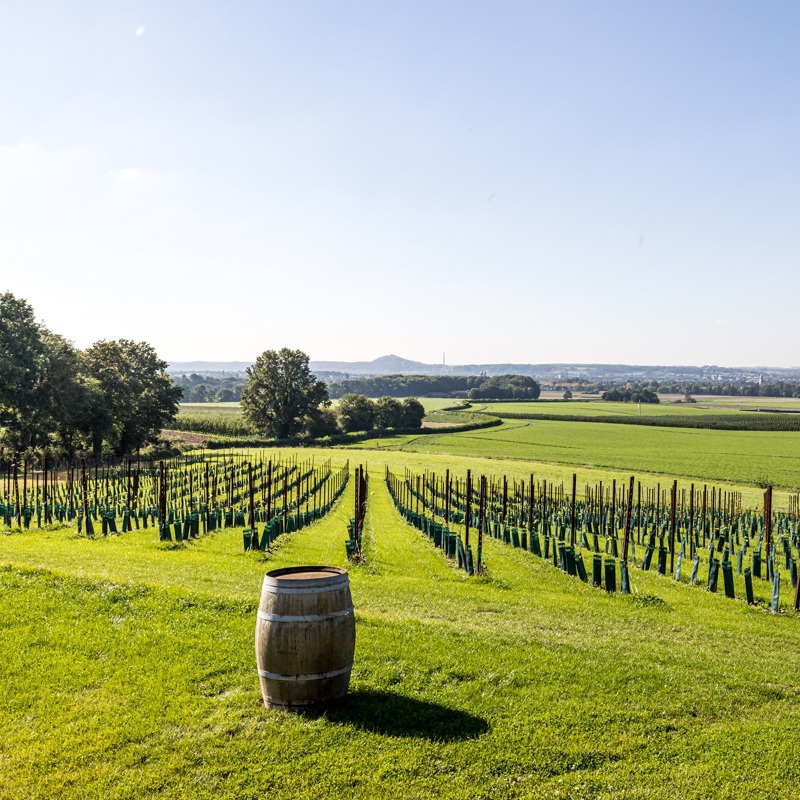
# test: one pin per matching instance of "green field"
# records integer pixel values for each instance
(128, 671)
(598, 408)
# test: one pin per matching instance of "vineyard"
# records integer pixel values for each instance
(518, 634)
(181, 498)
(707, 527)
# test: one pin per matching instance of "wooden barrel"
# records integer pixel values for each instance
(305, 636)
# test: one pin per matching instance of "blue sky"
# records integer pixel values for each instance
(505, 181)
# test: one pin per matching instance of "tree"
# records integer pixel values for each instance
(199, 393)
(507, 387)
(568, 394)
(413, 413)
(134, 397)
(321, 422)
(356, 413)
(23, 395)
(280, 392)
(388, 413)
(75, 399)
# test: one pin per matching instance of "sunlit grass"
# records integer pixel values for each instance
(128, 671)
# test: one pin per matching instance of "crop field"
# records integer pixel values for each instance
(597, 408)
(129, 671)
(779, 403)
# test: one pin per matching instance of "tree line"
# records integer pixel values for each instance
(728, 389)
(476, 387)
(629, 394)
(112, 398)
(210, 388)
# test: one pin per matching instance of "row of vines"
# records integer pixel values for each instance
(183, 498)
(699, 535)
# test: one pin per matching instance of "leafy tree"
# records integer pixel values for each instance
(280, 392)
(630, 394)
(388, 413)
(413, 413)
(356, 413)
(321, 422)
(199, 393)
(134, 398)
(225, 395)
(507, 387)
(568, 394)
(75, 399)
(23, 395)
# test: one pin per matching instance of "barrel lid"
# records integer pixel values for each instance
(319, 576)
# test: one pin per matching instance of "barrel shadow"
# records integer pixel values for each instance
(397, 715)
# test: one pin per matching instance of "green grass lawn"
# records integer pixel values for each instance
(128, 671)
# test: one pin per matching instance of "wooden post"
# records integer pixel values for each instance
(85, 491)
(673, 502)
(447, 497)
(251, 514)
(469, 508)
(24, 486)
(703, 513)
(269, 490)
(530, 507)
(544, 502)
(614, 508)
(572, 511)
(628, 512)
(44, 491)
(600, 499)
(481, 515)
(285, 498)
(767, 521)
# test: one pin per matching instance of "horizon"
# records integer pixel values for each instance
(496, 362)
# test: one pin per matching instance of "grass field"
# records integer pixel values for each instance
(128, 671)
(596, 408)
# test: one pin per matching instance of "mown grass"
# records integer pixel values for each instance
(123, 681)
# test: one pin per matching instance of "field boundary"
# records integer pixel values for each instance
(756, 421)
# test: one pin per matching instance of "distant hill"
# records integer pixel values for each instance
(396, 365)
(385, 365)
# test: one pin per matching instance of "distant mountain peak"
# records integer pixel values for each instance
(395, 362)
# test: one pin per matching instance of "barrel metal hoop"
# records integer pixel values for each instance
(274, 676)
(304, 617)
(268, 587)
